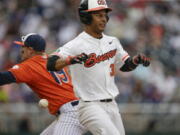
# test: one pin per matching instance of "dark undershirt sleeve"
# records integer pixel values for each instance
(6, 78)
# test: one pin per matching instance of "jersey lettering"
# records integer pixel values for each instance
(112, 73)
(60, 76)
(93, 59)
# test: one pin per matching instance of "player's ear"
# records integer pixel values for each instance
(31, 50)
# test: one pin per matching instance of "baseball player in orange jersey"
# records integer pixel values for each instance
(94, 80)
(56, 87)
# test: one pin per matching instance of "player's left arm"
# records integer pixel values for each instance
(6, 78)
(131, 63)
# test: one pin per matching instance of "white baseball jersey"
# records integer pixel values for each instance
(94, 80)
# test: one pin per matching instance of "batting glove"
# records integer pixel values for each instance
(79, 59)
(141, 59)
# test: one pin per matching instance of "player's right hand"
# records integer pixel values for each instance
(141, 59)
(79, 59)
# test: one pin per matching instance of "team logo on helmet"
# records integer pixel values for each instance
(101, 2)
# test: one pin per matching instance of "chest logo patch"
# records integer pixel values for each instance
(94, 59)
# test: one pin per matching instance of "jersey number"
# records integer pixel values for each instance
(60, 76)
(112, 73)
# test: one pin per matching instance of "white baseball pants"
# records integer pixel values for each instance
(67, 122)
(101, 118)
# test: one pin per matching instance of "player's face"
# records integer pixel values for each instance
(26, 53)
(99, 20)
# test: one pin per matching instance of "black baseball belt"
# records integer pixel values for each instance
(102, 100)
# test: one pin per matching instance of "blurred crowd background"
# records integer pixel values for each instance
(148, 26)
(142, 26)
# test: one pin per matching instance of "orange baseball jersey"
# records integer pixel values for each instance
(56, 87)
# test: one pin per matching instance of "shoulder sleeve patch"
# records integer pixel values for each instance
(15, 67)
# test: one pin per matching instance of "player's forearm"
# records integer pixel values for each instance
(6, 78)
(56, 63)
(60, 64)
(131, 63)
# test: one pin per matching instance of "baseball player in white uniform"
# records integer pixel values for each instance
(93, 80)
